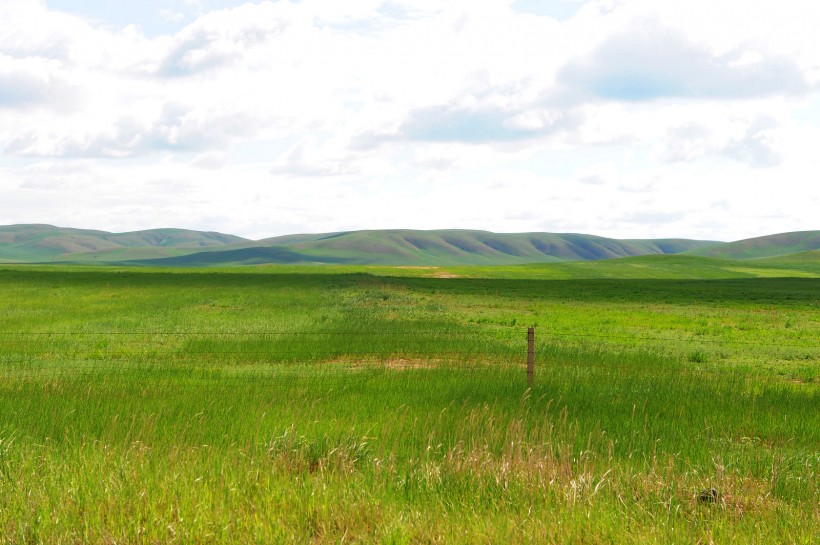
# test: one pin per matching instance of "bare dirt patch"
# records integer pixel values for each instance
(438, 273)
(389, 363)
(443, 274)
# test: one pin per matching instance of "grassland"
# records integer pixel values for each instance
(389, 405)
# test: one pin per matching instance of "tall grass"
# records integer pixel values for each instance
(151, 407)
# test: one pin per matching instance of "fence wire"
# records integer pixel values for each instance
(248, 355)
(544, 336)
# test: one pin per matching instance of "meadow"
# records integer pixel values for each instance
(390, 405)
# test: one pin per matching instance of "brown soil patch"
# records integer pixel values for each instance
(443, 274)
(390, 363)
(402, 363)
(437, 274)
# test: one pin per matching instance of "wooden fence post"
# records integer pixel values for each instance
(530, 354)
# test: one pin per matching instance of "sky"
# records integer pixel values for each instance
(620, 118)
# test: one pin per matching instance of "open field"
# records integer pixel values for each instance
(378, 404)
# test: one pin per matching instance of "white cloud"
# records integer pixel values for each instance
(172, 16)
(648, 62)
(371, 113)
(307, 159)
(31, 82)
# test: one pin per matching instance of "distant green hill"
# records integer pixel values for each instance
(240, 256)
(798, 260)
(451, 247)
(767, 246)
(443, 247)
(43, 243)
(400, 247)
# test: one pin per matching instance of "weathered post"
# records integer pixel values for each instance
(530, 354)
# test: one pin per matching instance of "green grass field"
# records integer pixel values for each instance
(390, 405)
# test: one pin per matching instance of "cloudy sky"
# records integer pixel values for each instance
(622, 118)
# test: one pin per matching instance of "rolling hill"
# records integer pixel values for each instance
(180, 247)
(766, 246)
(454, 247)
(44, 243)
(413, 248)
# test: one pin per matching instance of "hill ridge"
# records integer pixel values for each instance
(764, 246)
(43, 243)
